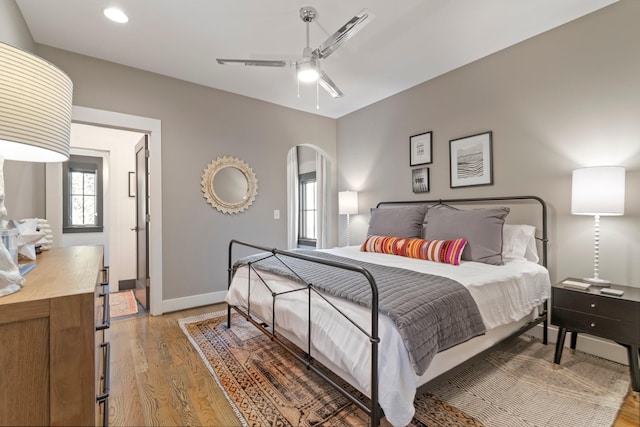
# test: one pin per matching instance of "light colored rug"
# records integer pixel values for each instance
(517, 385)
(122, 304)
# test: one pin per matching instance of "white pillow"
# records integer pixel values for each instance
(519, 242)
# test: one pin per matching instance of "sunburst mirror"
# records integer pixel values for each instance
(229, 185)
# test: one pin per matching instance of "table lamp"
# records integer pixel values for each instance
(348, 205)
(598, 191)
(35, 125)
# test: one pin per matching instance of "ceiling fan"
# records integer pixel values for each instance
(308, 67)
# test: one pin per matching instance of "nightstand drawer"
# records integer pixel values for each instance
(603, 327)
(598, 305)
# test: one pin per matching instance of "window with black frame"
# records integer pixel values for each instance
(308, 211)
(82, 194)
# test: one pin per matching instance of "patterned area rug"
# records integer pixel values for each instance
(514, 386)
(122, 304)
(266, 386)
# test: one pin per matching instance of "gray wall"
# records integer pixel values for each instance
(565, 99)
(13, 29)
(200, 124)
(24, 188)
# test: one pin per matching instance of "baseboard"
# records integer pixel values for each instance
(592, 345)
(124, 285)
(192, 301)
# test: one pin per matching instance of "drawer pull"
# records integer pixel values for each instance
(106, 315)
(106, 373)
(105, 412)
(105, 276)
(593, 325)
(103, 399)
(593, 305)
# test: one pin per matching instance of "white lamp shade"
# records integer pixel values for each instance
(598, 191)
(348, 202)
(35, 108)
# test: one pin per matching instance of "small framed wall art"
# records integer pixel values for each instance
(420, 149)
(420, 180)
(470, 160)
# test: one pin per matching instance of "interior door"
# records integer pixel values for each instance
(142, 222)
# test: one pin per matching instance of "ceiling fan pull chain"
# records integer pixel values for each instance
(298, 82)
(317, 95)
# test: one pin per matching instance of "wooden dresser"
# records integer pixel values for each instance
(53, 352)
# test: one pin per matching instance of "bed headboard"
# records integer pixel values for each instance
(527, 210)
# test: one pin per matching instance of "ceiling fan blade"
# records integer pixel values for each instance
(328, 85)
(257, 62)
(347, 31)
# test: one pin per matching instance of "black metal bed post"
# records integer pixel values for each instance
(229, 278)
(545, 241)
(375, 341)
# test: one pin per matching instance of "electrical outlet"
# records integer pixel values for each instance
(276, 214)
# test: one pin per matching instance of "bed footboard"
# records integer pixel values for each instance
(372, 409)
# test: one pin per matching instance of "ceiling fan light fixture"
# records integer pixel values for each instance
(308, 70)
(116, 15)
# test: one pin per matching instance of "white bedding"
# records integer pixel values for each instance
(504, 294)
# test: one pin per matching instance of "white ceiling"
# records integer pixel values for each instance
(408, 42)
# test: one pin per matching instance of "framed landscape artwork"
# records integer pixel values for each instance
(470, 160)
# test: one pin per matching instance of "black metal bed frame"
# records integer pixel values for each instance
(373, 409)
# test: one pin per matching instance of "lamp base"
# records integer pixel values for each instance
(596, 281)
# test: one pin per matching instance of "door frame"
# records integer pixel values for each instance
(142, 287)
(92, 116)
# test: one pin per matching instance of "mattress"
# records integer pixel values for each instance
(506, 295)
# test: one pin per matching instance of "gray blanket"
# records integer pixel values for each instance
(431, 312)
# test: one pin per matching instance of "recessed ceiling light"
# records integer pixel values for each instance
(116, 15)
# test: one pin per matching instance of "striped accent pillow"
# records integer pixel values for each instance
(445, 251)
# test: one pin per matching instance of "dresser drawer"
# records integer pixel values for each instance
(598, 305)
(603, 327)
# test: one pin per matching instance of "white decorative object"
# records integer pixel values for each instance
(598, 191)
(28, 236)
(47, 241)
(10, 279)
(229, 185)
(348, 205)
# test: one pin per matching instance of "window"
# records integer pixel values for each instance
(82, 194)
(308, 209)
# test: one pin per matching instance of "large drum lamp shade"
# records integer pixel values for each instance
(35, 108)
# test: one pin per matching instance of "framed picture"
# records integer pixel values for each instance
(420, 149)
(470, 160)
(420, 180)
(132, 184)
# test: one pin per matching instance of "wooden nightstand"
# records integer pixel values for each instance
(605, 316)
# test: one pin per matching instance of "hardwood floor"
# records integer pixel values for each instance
(158, 378)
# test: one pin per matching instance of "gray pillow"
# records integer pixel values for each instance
(481, 227)
(402, 221)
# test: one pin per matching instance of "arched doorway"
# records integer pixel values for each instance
(308, 197)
